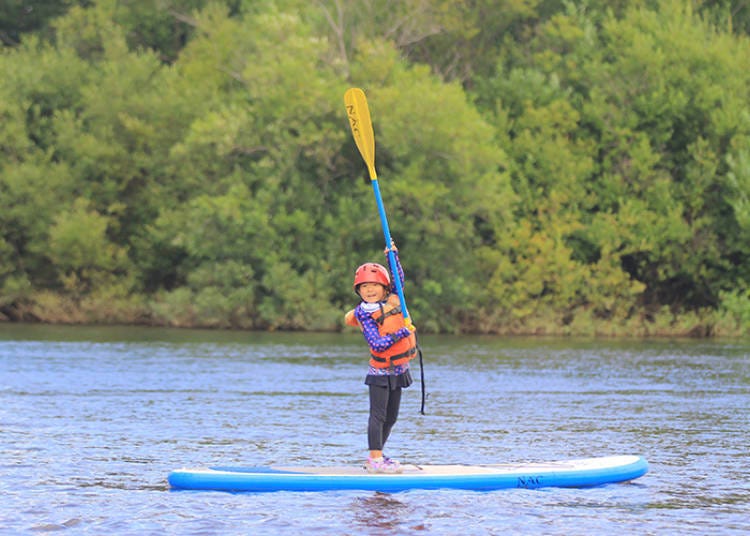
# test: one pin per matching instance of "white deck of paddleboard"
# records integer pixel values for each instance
(457, 470)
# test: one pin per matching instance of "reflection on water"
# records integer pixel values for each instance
(380, 511)
(93, 419)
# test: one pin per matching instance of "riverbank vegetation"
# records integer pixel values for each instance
(548, 167)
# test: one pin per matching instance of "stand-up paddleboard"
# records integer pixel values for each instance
(570, 474)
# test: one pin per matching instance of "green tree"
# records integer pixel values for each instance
(547, 165)
(442, 177)
(732, 15)
(19, 17)
(81, 252)
(38, 81)
(268, 143)
(619, 162)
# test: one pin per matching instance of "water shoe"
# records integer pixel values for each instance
(382, 465)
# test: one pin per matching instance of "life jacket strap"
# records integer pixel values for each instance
(411, 351)
(384, 315)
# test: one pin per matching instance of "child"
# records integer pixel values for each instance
(392, 346)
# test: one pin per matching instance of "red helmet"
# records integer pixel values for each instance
(371, 272)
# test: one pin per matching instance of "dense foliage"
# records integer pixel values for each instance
(547, 166)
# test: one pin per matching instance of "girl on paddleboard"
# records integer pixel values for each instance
(392, 345)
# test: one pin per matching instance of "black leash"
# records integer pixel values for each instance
(421, 378)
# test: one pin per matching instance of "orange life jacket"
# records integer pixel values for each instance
(390, 319)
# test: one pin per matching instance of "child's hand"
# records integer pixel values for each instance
(392, 248)
(400, 334)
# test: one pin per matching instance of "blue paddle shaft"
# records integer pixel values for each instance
(391, 254)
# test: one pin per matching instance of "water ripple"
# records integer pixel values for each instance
(93, 420)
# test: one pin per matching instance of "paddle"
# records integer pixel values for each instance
(359, 120)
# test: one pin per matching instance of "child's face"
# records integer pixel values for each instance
(372, 292)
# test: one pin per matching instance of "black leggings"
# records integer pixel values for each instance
(384, 404)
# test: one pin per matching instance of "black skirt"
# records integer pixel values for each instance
(400, 381)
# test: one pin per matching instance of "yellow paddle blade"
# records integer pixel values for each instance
(359, 119)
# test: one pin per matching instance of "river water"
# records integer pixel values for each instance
(93, 419)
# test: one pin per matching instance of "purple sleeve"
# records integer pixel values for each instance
(372, 335)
